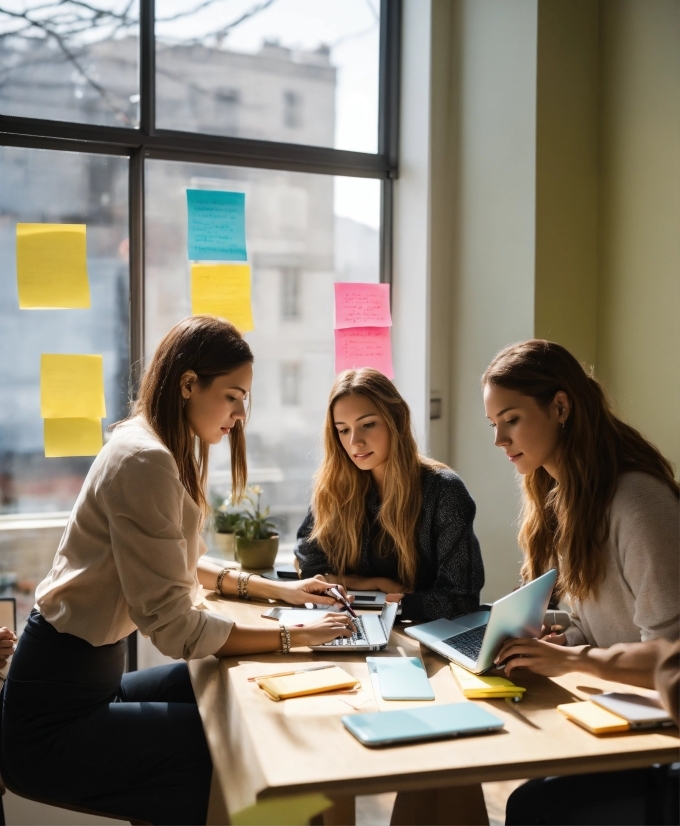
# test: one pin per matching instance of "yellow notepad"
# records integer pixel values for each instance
(476, 687)
(308, 682)
(592, 717)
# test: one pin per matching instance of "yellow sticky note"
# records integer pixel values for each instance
(282, 811)
(72, 387)
(222, 290)
(72, 437)
(52, 266)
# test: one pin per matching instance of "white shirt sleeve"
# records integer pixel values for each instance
(144, 505)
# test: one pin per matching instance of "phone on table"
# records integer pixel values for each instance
(295, 616)
(8, 613)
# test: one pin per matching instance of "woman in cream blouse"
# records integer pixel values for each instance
(74, 726)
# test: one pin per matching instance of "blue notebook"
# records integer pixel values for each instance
(423, 723)
(400, 678)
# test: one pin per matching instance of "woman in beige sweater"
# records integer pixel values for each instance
(74, 726)
(600, 504)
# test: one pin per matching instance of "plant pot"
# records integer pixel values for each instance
(226, 545)
(257, 554)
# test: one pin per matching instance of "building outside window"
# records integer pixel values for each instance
(292, 110)
(291, 294)
(291, 375)
(310, 219)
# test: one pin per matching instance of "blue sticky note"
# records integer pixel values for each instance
(217, 225)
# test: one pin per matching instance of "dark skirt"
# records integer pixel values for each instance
(76, 729)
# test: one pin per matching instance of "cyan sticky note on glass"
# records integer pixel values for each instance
(217, 225)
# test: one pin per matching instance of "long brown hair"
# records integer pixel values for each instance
(210, 347)
(340, 487)
(566, 524)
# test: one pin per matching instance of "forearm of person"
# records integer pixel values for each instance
(258, 586)
(251, 639)
(630, 663)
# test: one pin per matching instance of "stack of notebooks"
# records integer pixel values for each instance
(476, 687)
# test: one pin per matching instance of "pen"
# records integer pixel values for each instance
(288, 673)
(333, 591)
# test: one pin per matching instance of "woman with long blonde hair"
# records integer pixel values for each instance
(384, 517)
(600, 504)
(75, 728)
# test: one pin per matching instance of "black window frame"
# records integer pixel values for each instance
(148, 142)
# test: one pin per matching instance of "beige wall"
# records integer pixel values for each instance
(639, 286)
(555, 211)
(566, 175)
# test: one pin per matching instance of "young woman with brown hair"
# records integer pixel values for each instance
(382, 516)
(600, 504)
(74, 726)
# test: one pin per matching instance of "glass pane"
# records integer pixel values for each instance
(70, 61)
(37, 494)
(296, 71)
(304, 232)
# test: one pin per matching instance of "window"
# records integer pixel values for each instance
(292, 110)
(290, 384)
(107, 115)
(290, 294)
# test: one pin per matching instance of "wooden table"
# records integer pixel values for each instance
(263, 749)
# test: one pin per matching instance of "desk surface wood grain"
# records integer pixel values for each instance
(261, 748)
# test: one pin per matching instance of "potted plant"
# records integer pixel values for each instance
(225, 520)
(256, 539)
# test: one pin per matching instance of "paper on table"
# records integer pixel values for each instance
(362, 305)
(223, 290)
(282, 811)
(52, 266)
(364, 347)
(217, 225)
(476, 686)
(72, 437)
(72, 387)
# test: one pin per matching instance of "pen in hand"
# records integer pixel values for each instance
(333, 592)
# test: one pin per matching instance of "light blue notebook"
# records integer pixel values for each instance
(400, 678)
(422, 723)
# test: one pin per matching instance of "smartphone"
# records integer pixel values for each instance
(8, 613)
(295, 616)
(400, 678)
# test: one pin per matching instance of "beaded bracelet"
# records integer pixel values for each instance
(285, 638)
(220, 579)
(243, 585)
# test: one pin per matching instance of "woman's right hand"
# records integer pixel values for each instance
(325, 630)
(7, 645)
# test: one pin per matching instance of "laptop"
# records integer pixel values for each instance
(474, 639)
(372, 634)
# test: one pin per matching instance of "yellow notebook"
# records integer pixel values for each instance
(476, 687)
(308, 682)
(594, 718)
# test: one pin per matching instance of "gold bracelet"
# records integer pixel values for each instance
(285, 638)
(243, 585)
(220, 579)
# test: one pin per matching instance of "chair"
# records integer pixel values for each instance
(59, 804)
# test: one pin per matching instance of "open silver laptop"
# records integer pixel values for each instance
(474, 640)
(372, 634)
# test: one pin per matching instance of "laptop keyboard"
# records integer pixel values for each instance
(469, 642)
(359, 636)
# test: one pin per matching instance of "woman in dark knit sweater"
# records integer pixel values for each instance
(382, 516)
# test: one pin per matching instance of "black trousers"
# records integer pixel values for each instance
(635, 797)
(75, 728)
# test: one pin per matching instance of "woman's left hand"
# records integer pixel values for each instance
(7, 645)
(311, 590)
(538, 656)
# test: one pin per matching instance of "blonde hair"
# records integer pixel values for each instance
(566, 524)
(210, 347)
(340, 487)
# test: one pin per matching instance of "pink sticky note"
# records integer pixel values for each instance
(364, 347)
(362, 305)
